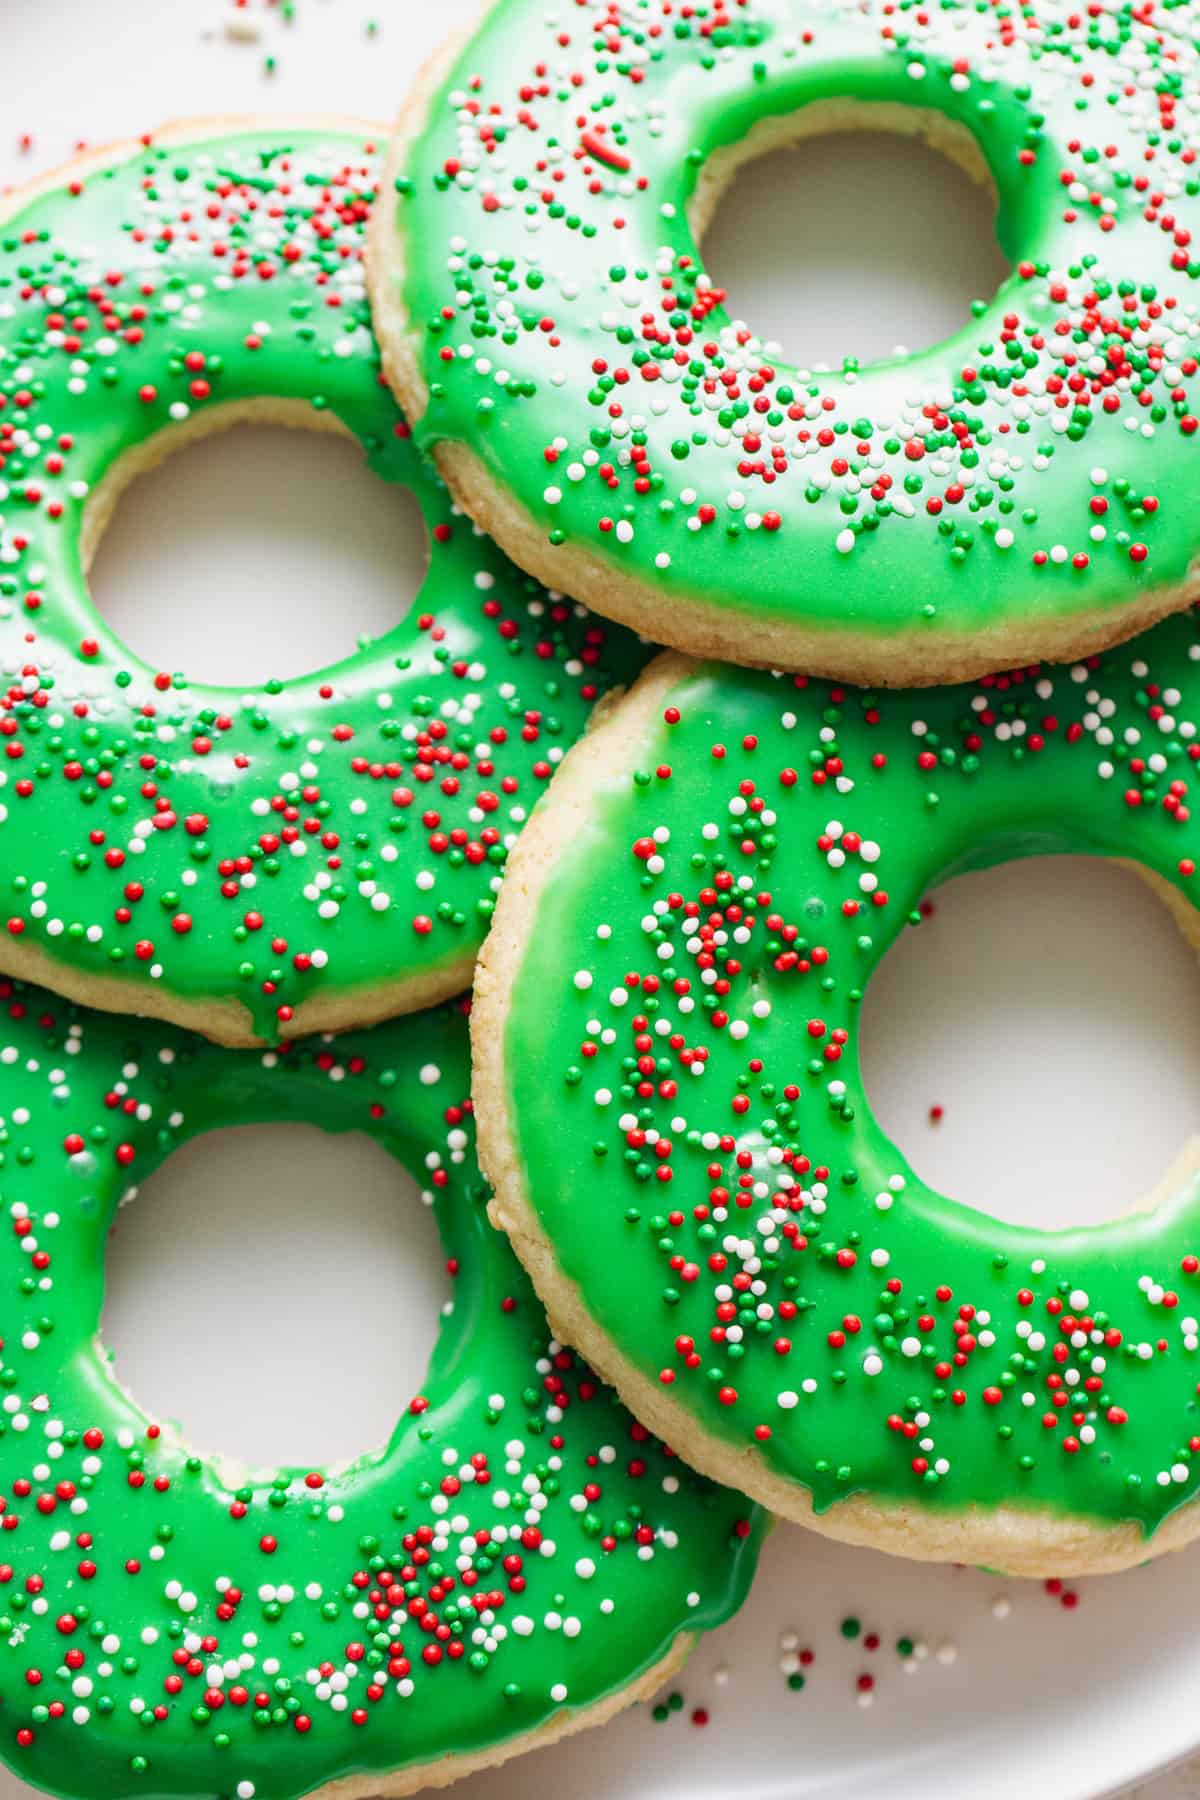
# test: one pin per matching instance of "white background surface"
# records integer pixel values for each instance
(1049, 1008)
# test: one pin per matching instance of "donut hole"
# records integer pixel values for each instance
(275, 1291)
(854, 243)
(1051, 1010)
(257, 552)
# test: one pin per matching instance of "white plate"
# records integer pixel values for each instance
(1070, 1703)
(1066, 1702)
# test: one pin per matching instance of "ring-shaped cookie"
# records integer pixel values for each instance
(1023, 489)
(260, 860)
(519, 1561)
(672, 1112)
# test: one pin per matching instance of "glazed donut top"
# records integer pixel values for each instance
(257, 848)
(173, 1624)
(1029, 477)
(740, 1228)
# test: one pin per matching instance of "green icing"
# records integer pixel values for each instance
(710, 1172)
(172, 1625)
(275, 841)
(572, 337)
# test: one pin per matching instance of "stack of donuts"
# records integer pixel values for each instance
(514, 870)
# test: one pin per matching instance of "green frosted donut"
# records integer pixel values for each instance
(284, 855)
(519, 1560)
(1025, 488)
(672, 1109)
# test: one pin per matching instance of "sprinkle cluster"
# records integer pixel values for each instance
(168, 1622)
(566, 306)
(712, 1174)
(267, 842)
